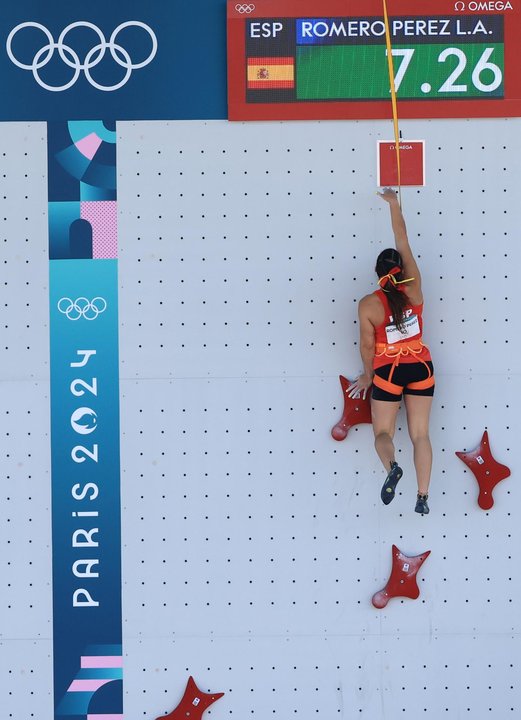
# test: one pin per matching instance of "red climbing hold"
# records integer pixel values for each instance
(356, 411)
(193, 704)
(402, 582)
(487, 471)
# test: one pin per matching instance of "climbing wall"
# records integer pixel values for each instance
(252, 541)
(25, 530)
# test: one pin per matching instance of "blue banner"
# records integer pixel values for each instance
(86, 514)
(154, 60)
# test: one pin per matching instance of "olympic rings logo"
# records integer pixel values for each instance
(71, 58)
(82, 307)
(243, 8)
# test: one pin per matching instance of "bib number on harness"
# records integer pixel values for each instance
(411, 328)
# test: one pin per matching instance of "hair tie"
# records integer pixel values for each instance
(390, 277)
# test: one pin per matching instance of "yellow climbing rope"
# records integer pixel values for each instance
(393, 98)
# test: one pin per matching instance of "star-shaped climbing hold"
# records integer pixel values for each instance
(402, 582)
(487, 471)
(193, 703)
(356, 411)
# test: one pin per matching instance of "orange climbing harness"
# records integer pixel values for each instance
(395, 352)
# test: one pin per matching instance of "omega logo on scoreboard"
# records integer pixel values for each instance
(490, 6)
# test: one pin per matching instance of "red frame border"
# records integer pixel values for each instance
(238, 109)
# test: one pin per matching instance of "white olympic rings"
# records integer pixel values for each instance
(82, 307)
(244, 8)
(71, 58)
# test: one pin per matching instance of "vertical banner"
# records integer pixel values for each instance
(86, 512)
(61, 64)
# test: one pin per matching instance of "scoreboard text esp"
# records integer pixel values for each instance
(451, 59)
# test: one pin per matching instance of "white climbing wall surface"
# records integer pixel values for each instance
(252, 541)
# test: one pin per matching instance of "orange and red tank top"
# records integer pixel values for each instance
(397, 341)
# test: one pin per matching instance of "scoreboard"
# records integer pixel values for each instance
(305, 59)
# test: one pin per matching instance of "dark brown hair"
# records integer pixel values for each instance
(397, 299)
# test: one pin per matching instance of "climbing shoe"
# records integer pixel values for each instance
(421, 504)
(389, 486)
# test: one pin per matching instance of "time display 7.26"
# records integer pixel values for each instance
(343, 72)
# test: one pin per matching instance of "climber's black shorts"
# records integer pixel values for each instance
(404, 374)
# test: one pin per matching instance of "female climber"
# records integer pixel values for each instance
(395, 360)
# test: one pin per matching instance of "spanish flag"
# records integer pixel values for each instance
(271, 73)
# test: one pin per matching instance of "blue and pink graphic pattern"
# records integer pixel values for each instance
(86, 514)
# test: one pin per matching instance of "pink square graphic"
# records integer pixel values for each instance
(101, 661)
(89, 145)
(103, 217)
(87, 685)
